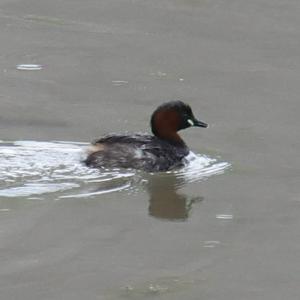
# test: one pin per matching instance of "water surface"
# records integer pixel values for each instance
(206, 232)
(42, 170)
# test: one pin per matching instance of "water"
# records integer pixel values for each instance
(67, 232)
(32, 169)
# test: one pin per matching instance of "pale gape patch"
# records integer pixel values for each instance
(95, 148)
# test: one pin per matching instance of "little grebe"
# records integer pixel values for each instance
(162, 151)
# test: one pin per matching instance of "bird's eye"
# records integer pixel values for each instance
(189, 110)
(186, 116)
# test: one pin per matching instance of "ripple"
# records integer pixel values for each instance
(198, 168)
(224, 217)
(29, 189)
(30, 168)
(34, 169)
(29, 67)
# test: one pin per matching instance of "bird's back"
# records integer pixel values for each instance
(138, 151)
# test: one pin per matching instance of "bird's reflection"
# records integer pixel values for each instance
(165, 202)
(165, 199)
